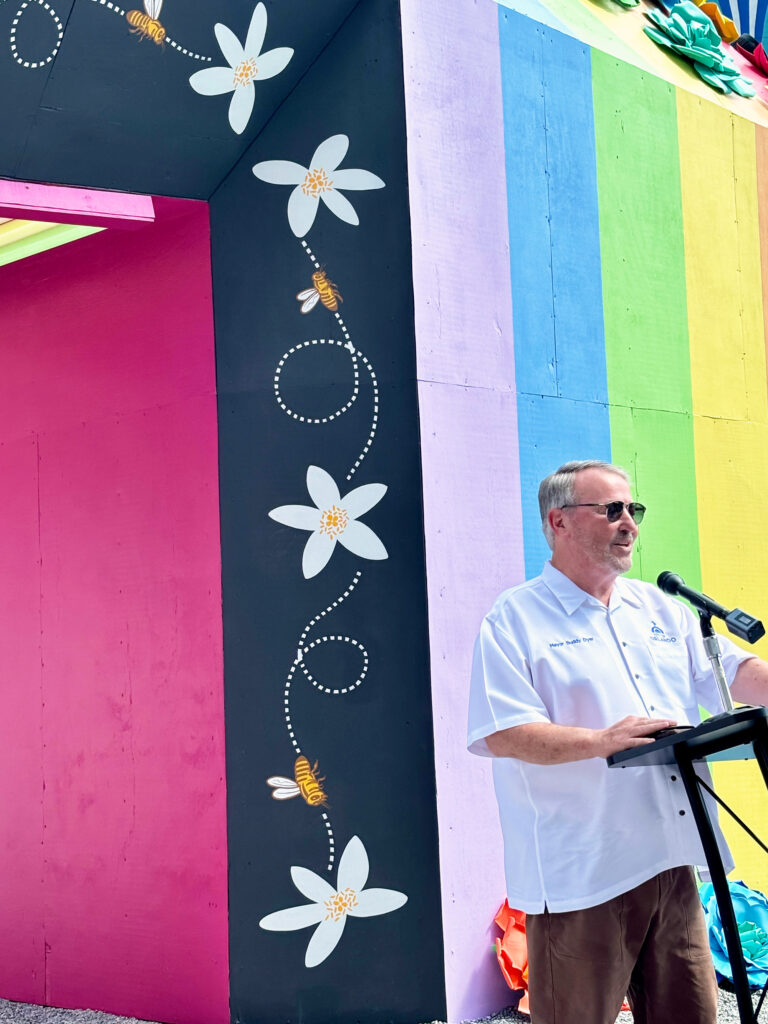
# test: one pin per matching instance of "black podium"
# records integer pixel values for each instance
(683, 748)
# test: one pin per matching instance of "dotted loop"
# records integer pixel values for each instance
(317, 419)
(15, 24)
(355, 354)
(302, 649)
(60, 34)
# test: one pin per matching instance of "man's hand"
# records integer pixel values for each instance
(631, 731)
(547, 743)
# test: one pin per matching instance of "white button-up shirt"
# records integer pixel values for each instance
(580, 833)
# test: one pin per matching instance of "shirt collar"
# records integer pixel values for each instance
(572, 597)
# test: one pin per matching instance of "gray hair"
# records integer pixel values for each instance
(559, 488)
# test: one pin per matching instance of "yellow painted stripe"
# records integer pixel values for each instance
(14, 230)
(718, 173)
(723, 273)
(725, 325)
(740, 784)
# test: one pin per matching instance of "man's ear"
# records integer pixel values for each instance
(556, 520)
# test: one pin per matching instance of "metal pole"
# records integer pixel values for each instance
(719, 884)
(712, 647)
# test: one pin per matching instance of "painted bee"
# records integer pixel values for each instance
(145, 24)
(305, 783)
(323, 290)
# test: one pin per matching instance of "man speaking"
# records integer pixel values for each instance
(570, 667)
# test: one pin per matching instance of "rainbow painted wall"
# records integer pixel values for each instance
(590, 252)
(637, 271)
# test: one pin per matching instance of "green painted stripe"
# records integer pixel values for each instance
(59, 235)
(645, 311)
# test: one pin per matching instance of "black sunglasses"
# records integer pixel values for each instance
(613, 510)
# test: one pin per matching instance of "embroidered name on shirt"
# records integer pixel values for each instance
(570, 643)
(658, 634)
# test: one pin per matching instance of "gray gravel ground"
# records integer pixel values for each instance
(24, 1013)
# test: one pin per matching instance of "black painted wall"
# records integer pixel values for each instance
(373, 743)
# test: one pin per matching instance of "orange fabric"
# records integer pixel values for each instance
(725, 27)
(512, 952)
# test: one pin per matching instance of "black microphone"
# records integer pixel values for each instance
(742, 625)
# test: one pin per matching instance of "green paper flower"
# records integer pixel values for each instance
(690, 33)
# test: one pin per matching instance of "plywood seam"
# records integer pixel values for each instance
(473, 387)
(244, 154)
(42, 708)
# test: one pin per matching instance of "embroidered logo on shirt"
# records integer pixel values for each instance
(571, 642)
(658, 634)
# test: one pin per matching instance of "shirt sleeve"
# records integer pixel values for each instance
(501, 691)
(704, 682)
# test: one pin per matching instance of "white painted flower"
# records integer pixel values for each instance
(247, 64)
(331, 907)
(321, 180)
(333, 519)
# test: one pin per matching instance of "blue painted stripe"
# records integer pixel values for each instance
(555, 265)
(553, 431)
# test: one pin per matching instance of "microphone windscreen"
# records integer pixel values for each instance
(669, 582)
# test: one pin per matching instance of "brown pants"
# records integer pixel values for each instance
(649, 943)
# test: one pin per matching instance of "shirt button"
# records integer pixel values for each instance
(652, 708)
(623, 643)
(673, 777)
(636, 676)
(681, 812)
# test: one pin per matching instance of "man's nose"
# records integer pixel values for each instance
(626, 521)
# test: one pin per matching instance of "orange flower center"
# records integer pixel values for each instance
(339, 904)
(333, 522)
(246, 71)
(316, 181)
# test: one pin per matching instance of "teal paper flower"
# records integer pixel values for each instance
(690, 34)
(751, 909)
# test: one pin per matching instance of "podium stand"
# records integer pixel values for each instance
(730, 729)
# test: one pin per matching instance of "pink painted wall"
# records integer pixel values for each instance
(113, 853)
(469, 442)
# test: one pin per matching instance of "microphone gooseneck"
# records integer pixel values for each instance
(739, 622)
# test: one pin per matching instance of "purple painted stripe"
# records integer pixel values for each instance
(470, 460)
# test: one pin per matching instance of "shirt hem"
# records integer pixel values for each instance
(562, 906)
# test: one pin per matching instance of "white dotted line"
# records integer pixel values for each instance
(111, 6)
(287, 707)
(299, 662)
(334, 604)
(374, 421)
(354, 353)
(334, 692)
(171, 42)
(331, 843)
(14, 25)
(187, 53)
(310, 254)
(300, 658)
(339, 412)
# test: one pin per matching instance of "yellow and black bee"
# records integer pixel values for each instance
(322, 290)
(305, 783)
(145, 24)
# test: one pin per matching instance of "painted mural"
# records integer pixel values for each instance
(628, 335)
(321, 510)
(332, 838)
(144, 24)
(635, 335)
